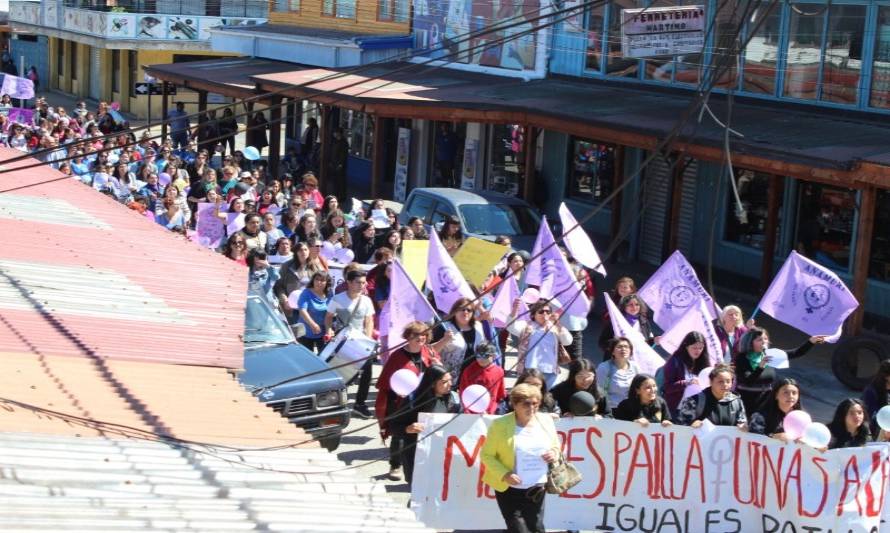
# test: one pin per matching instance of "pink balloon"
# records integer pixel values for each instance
(531, 295)
(475, 398)
(795, 424)
(403, 382)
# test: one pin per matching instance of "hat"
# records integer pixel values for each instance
(244, 174)
(582, 403)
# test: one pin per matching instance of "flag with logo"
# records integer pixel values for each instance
(17, 87)
(673, 290)
(405, 304)
(809, 297)
(502, 305)
(646, 358)
(578, 242)
(444, 278)
(697, 318)
(550, 271)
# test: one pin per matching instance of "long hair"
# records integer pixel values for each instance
(746, 345)
(583, 365)
(770, 406)
(838, 424)
(426, 390)
(682, 352)
(547, 400)
(459, 304)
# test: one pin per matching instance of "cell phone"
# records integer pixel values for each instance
(341, 230)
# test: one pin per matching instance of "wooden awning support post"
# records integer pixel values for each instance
(862, 258)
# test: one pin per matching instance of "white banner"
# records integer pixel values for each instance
(673, 479)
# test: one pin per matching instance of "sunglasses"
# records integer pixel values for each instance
(544, 312)
(467, 309)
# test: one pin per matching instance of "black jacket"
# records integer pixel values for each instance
(631, 410)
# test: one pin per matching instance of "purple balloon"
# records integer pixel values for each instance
(164, 179)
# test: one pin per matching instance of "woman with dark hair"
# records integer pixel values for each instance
(784, 397)
(381, 286)
(434, 395)
(392, 239)
(313, 305)
(643, 404)
(849, 427)
(296, 274)
(582, 377)
(451, 235)
(228, 127)
(755, 377)
(682, 368)
(539, 339)
(457, 338)
(236, 248)
(617, 372)
(363, 243)
(289, 224)
(308, 228)
(877, 393)
(331, 205)
(335, 231)
(262, 276)
(535, 378)
(635, 312)
(717, 403)
(416, 225)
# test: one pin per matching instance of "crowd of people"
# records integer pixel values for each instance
(290, 236)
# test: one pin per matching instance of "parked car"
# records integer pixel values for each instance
(316, 403)
(482, 214)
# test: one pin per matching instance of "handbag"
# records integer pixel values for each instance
(561, 476)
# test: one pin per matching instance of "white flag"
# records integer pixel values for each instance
(672, 290)
(578, 242)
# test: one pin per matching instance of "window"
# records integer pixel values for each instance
(595, 25)
(132, 65)
(506, 168)
(499, 219)
(344, 9)
(393, 10)
(880, 76)
(359, 130)
(879, 267)
(443, 211)
(616, 64)
(824, 52)
(825, 217)
(750, 228)
(762, 52)
(115, 71)
(591, 170)
(420, 206)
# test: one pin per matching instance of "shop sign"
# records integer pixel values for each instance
(662, 31)
(403, 148)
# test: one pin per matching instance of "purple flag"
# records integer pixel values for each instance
(210, 230)
(17, 87)
(502, 306)
(578, 242)
(673, 290)
(550, 271)
(405, 304)
(809, 297)
(444, 278)
(697, 318)
(644, 356)
(234, 223)
(19, 115)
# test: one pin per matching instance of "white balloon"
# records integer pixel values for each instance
(344, 256)
(476, 398)
(328, 250)
(403, 382)
(293, 298)
(704, 377)
(883, 417)
(816, 435)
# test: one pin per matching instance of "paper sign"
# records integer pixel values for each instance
(209, 228)
(414, 255)
(380, 218)
(777, 358)
(477, 257)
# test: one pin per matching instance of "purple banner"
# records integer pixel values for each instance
(17, 87)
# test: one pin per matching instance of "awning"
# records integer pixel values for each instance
(228, 77)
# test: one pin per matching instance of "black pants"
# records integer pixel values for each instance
(364, 382)
(523, 512)
(316, 345)
(396, 443)
(406, 455)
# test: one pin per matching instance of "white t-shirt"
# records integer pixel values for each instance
(529, 444)
(343, 307)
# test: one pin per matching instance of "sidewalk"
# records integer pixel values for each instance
(821, 391)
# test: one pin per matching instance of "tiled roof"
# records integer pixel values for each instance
(54, 483)
(81, 275)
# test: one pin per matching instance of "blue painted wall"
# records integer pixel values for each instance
(37, 54)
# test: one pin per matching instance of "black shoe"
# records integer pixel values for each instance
(362, 410)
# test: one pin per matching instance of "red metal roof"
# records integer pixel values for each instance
(81, 275)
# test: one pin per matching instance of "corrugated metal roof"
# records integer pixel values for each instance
(54, 483)
(82, 275)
